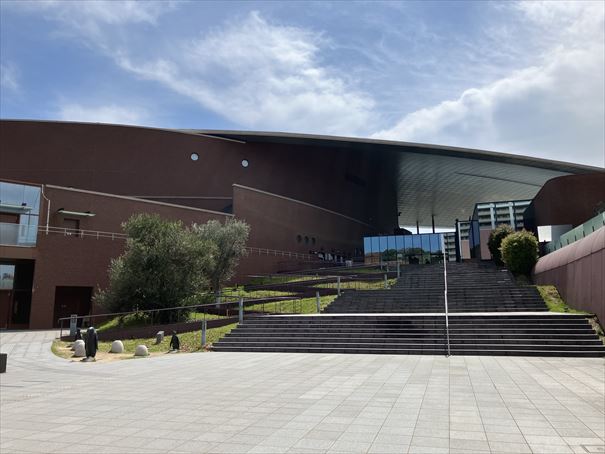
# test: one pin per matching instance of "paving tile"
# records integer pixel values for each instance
(385, 448)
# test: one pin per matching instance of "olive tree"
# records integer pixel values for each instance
(163, 264)
(229, 241)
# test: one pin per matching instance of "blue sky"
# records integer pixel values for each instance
(516, 77)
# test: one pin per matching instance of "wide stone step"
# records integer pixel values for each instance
(354, 337)
(414, 351)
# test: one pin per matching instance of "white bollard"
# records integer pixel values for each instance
(318, 301)
(204, 332)
(398, 270)
(385, 282)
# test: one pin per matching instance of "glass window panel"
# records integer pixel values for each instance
(375, 244)
(416, 243)
(400, 247)
(407, 241)
(426, 243)
(435, 242)
(383, 243)
(390, 254)
(367, 245)
(7, 276)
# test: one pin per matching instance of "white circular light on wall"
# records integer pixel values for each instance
(245, 163)
(194, 156)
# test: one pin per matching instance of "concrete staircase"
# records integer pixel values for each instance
(472, 287)
(487, 334)
(489, 315)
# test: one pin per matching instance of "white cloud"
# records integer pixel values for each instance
(9, 77)
(554, 109)
(261, 75)
(79, 13)
(112, 114)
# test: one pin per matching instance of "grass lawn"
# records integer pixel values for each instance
(265, 280)
(241, 292)
(300, 306)
(134, 320)
(358, 285)
(553, 300)
(190, 342)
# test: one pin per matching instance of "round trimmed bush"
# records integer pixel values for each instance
(495, 241)
(520, 252)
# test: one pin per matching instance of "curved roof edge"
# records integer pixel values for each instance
(361, 143)
(351, 142)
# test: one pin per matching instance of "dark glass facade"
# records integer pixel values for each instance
(424, 248)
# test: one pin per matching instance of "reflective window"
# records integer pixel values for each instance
(426, 243)
(367, 248)
(408, 244)
(435, 242)
(400, 247)
(7, 276)
(383, 243)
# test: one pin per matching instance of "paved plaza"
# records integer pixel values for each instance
(305, 403)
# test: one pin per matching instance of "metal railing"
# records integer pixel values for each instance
(226, 310)
(98, 234)
(80, 233)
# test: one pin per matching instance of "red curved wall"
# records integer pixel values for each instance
(578, 272)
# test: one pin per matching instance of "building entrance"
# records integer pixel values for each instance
(71, 300)
(16, 279)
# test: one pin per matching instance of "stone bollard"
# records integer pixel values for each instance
(3, 359)
(79, 349)
(159, 337)
(117, 347)
(141, 350)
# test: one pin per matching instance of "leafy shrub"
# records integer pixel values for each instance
(520, 252)
(495, 241)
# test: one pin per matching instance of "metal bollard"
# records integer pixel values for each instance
(73, 325)
(398, 270)
(385, 282)
(203, 332)
(338, 285)
(318, 301)
(241, 310)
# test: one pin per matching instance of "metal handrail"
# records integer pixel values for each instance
(236, 301)
(447, 322)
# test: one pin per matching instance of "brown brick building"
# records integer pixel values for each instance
(67, 187)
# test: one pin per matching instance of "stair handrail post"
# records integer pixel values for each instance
(447, 321)
(241, 310)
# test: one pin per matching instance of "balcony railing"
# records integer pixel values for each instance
(18, 234)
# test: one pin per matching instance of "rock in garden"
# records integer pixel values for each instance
(79, 349)
(117, 347)
(159, 337)
(141, 350)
